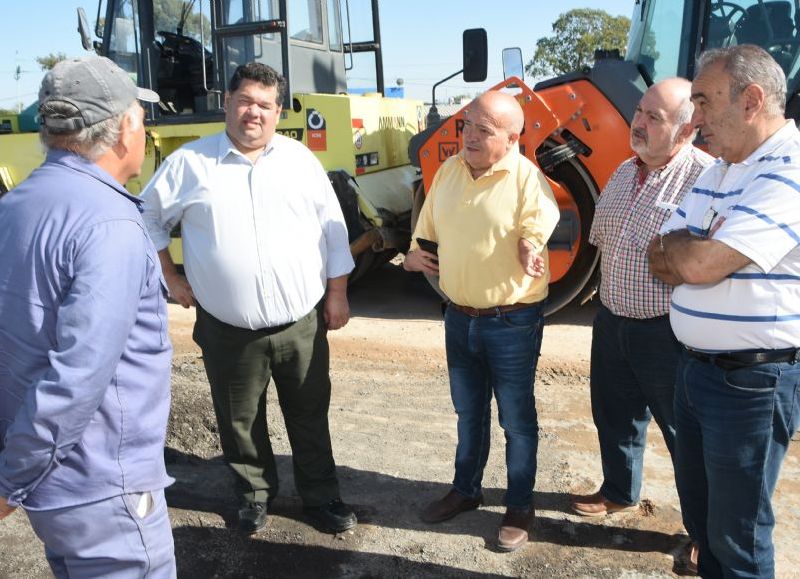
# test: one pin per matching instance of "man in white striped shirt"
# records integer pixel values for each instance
(732, 252)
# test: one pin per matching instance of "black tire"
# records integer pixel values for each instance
(577, 180)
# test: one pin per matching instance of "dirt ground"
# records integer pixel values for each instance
(393, 431)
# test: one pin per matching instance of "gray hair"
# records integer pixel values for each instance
(91, 142)
(750, 64)
(684, 114)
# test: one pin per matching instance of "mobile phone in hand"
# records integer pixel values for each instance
(428, 245)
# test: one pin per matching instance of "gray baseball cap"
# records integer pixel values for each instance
(95, 86)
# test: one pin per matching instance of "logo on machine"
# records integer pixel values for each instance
(317, 132)
(447, 149)
(358, 133)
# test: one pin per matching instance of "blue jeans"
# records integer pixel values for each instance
(733, 430)
(632, 379)
(486, 355)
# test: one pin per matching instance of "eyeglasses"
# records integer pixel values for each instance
(708, 221)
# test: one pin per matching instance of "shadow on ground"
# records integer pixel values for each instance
(388, 502)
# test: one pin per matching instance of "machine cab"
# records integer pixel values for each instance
(187, 50)
(667, 35)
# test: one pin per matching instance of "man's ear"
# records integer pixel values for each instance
(687, 132)
(513, 138)
(127, 129)
(753, 97)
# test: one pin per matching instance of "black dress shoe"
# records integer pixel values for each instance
(332, 517)
(252, 518)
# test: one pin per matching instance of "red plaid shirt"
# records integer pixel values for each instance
(630, 212)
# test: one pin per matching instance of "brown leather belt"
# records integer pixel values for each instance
(495, 311)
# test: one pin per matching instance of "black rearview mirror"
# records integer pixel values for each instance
(475, 55)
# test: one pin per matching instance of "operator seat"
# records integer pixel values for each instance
(754, 28)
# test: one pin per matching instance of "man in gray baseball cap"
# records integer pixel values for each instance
(84, 350)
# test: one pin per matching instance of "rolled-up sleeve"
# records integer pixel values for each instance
(93, 322)
(339, 260)
(162, 207)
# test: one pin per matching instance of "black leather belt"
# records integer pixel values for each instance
(736, 360)
(495, 311)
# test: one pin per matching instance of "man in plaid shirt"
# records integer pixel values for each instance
(634, 352)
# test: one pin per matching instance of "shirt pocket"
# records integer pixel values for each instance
(157, 294)
(645, 224)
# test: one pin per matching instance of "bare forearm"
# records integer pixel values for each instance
(699, 260)
(659, 265)
(167, 265)
(337, 285)
(179, 288)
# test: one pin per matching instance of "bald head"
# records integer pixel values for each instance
(662, 124)
(676, 94)
(492, 125)
(501, 107)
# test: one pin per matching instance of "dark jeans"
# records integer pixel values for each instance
(486, 355)
(632, 379)
(239, 363)
(734, 428)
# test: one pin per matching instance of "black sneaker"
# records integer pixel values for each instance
(333, 517)
(252, 518)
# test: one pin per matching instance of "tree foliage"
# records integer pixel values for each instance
(170, 14)
(48, 61)
(576, 35)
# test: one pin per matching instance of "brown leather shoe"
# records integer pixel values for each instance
(596, 505)
(448, 507)
(513, 532)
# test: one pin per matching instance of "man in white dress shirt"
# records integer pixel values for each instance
(266, 257)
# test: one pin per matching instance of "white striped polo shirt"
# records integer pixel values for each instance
(757, 307)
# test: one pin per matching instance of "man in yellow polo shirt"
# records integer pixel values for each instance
(491, 212)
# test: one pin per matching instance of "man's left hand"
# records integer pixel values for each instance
(337, 310)
(5, 510)
(532, 262)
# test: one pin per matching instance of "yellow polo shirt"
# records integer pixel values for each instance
(478, 223)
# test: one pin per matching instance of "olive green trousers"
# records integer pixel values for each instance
(239, 363)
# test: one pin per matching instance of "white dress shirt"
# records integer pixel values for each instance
(260, 240)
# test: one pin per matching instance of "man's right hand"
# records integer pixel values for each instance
(5, 510)
(421, 260)
(180, 290)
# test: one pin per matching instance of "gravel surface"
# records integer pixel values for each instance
(393, 431)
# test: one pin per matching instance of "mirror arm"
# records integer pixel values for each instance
(433, 113)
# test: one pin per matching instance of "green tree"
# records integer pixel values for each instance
(576, 35)
(171, 14)
(50, 60)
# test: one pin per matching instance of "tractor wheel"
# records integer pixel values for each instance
(577, 180)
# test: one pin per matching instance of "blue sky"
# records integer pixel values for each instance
(421, 38)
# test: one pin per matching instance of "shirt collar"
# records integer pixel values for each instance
(506, 164)
(83, 165)
(786, 132)
(226, 147)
